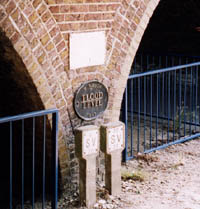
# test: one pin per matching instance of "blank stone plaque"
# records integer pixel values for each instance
(87, 49)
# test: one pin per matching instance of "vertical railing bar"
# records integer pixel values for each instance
(163, 95)
(159, 98)
(166, 108)
(55, 159)
(185, 100)
(199, 95)
(33, 165)
(157, 110)
(180, 103)
(132, 144)
(22, 164)
(43, 157)
(193, 92)
(196, 95)
(11, 163)
(168, 115)
(135, 108)
(174, 102)
(151, 112)
(174, 105)
(191, 100)
(141, 59)
(138, 141)
(133, 98)
(144, 113)
(187, 109)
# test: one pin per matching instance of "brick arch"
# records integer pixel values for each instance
(36, 39)
(130, 22)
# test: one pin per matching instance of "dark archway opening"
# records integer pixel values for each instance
(18, 94)
(161, 104)
(173, 28)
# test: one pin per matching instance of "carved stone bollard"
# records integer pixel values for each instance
(87, 149)
(112, 144)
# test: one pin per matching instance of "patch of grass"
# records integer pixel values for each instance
(135, 176)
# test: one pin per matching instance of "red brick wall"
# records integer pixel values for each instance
(39, 31)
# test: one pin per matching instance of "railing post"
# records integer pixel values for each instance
(54, 160)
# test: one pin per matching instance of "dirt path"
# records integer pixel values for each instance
(171, 180)
(167, 179)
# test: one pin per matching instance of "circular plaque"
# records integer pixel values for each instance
(91, 100)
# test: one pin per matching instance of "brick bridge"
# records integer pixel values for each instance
(34, 42)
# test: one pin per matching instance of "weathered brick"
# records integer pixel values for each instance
(50, 23)
(65, 9)
(36, 3)
(32, 18)
(54, 31)
(57, 39)
(92, 25)
(2, 15)
(50, 1)
(54, 9)
(74, 17)
(10, 7)
(93, 8)
(10, 30)
(50, 46)
(59, 17)
(28, 9)
(46, 16)
(95, 16)
(60, 46)
(41, 58)
(45, 39)
(42, 9)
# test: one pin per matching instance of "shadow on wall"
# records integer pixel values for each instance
(19, 95)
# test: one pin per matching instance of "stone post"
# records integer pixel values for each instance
(112, 144)
(86, 149)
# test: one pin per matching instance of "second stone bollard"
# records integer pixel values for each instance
(112, 144)
(87, 149)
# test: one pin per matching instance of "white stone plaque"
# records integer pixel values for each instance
(115, 139)
(90, 142)
(87, 49)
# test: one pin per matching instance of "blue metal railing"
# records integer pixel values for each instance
(161, 107)
(19, 127)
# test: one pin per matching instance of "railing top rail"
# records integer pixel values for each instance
(28, 115)
(163, 70)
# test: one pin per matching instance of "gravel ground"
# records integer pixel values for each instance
(165, 179)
